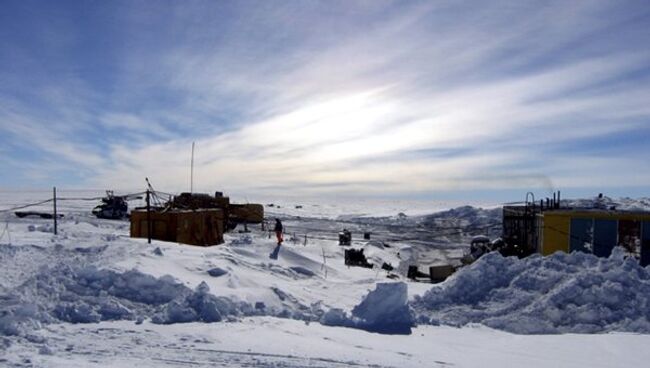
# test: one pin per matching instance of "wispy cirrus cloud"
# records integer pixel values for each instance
(353, 97)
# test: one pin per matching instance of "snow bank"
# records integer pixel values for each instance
(200, 305)
(86, 295)
(383, 310)
(64, 293)
(562, 293)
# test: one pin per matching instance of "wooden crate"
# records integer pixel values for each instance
(251, 213)
(202, 227)
(440, 273)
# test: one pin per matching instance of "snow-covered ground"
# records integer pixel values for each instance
(92, 296)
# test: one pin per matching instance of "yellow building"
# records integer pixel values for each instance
(594, 231)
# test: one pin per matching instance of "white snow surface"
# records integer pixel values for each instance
(93, 296)
(383, 310)
(557, 294)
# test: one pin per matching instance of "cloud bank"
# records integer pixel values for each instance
(355, 98)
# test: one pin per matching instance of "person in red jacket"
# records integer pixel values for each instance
(278, 230)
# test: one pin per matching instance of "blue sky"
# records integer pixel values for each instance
(412, 99)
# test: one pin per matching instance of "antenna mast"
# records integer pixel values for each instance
(192, 170)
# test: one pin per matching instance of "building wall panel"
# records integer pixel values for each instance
(581, 235)
(629, 236)
(555, 234)
(645, 244)
(605, 235)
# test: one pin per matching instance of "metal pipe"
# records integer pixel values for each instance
(55, 220)
(148, 217)
(192, 170)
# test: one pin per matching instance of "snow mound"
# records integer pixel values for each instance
(86, 295)
(65, 293)
(200, 305)
(562, 293)
(383, 310)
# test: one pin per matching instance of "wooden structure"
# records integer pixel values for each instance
(194, 218)
(202, 227)
(251, 213)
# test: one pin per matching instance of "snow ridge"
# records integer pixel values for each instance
(62, 293)
(87, 294)
(562, 293)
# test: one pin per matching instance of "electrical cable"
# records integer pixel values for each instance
(79, 199)
(26, 206)
(126, 196)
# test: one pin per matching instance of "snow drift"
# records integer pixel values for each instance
(562, 293)
(88, 294)
(383, 310)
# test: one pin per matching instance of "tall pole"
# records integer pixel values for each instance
(54, 201)
(192, 171)
(148, 217)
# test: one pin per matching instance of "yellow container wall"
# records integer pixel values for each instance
(556, 234)
(603, 215)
